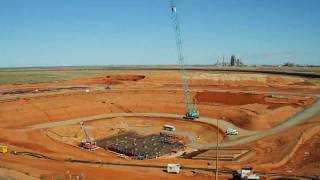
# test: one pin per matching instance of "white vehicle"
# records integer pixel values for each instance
(169, 128)
(122, 156)
(245, 173)
(173, 168)
(231, 131)
(253, 177)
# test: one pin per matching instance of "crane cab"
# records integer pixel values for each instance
(91, 146)
(192, 115)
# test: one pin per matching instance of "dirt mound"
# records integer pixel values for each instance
(116, 79)
(126, 77)
(109, 79)
(229, 98)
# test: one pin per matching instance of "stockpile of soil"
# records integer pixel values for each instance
(117, 79)
(108, 80)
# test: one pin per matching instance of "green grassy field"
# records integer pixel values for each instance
(316, 82)
(43, 76)
(46, 75)
(285, 68)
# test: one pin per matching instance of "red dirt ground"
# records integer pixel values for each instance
(217, 96)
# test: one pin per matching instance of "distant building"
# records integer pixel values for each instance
(233, 60)
(289, 64)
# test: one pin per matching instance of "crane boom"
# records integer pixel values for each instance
(192, 111)
(89, 143)
(88, 138)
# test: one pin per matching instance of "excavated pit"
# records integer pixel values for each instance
(142, 147)
(151, 95)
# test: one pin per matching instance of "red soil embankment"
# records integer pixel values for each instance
(229, 98)
(249, 110)
(109, 79)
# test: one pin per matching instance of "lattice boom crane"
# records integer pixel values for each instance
(192, 111)
(88, 143)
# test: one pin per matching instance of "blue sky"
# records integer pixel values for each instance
(118, 32)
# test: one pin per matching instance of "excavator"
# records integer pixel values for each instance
(88, 143)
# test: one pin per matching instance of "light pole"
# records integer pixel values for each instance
(217, 149)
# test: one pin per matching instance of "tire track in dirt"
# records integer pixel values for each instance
(249, 135)
(308, 113)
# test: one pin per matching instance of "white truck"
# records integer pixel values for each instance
(123, 156)
(169, 128)
(245, 173)
(231, 131)
(173, 168)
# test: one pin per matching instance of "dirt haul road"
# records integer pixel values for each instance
(248, 135)
(261, 107)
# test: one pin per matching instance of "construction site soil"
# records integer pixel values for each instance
(43, 118)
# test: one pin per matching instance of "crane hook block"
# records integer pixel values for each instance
(173, 9)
